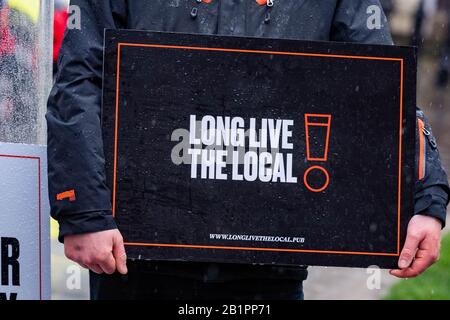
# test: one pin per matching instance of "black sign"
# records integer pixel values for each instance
(248, 150)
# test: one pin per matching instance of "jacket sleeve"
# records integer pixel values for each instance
(432, 189)
(79, 197)
(357, 21)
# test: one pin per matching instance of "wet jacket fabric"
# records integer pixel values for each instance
(76, 160)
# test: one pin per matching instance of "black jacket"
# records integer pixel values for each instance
(75, 153)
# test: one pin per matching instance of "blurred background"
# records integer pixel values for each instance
(26, 33)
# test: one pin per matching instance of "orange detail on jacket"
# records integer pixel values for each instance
(66, 195)
(421, 126)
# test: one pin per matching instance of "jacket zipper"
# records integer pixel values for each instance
(422, 148)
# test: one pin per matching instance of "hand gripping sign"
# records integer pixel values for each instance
(243, 150)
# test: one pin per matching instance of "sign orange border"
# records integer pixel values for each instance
(299, 54)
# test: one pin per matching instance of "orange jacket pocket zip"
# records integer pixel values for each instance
(422, 148)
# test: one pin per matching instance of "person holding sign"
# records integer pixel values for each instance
(81, 201)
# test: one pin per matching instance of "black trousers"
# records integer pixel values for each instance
(139, 285)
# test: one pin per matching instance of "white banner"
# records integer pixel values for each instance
(24, 223)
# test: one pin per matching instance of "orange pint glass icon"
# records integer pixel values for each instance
(318, 129)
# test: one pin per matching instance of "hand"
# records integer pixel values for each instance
(101, 252)
(422, 247)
